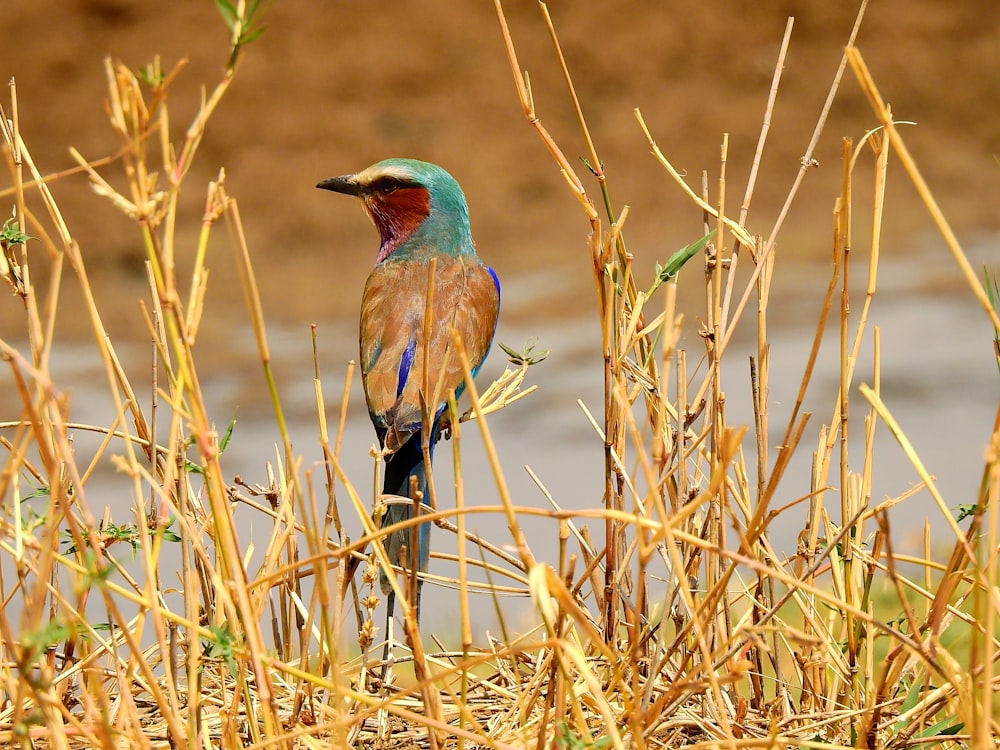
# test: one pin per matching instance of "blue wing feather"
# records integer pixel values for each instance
(405, 363)
(496, 281)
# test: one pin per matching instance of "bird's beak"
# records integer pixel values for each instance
(346, 184)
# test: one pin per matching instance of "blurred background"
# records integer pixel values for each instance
(331, 87)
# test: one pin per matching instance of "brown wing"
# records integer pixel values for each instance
(466, 299)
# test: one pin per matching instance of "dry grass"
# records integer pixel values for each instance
(680, 625)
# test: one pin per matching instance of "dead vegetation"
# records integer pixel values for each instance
(666, 618)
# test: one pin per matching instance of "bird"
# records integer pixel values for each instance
(423, 222)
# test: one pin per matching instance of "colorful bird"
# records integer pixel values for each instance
(423, 221)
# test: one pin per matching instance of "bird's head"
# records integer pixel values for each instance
(413, 203)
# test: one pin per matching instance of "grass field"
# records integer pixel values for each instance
(678, 625)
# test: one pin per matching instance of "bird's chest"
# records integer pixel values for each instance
(399, 295)
(395, 297)
(406, 288)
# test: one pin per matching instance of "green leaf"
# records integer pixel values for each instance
(249, 29)
(166, 533)
(191, 467)
(150, 74)
(964, 510)
(228, 11)
(527, 356)
(223, 645)
(11, 233)
(677, 261)
(251, 36)
(993, 293)
(908, 703)
(169, 536)
(36, 642)
(589, 165)
(567, 740)
(43, 491)
(682, 256)
(942, 728)
(227, 435)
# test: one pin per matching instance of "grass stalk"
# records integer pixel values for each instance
(687, 624)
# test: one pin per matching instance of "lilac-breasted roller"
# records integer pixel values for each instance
(421, 215)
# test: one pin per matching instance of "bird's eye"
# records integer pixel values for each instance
(385, 185)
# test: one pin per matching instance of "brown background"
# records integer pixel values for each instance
(333, 86)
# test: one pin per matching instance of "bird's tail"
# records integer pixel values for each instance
(407, 548)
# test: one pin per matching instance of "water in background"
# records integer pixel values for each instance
(938, 378)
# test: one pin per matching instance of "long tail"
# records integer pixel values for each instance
(409, 548)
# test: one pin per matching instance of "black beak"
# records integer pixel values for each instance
(346, 184)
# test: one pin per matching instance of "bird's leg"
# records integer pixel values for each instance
(387, 650)
(416, 601)
(387, 661)
(413, 556)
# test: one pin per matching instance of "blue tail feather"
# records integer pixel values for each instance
(407, 462)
